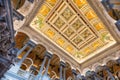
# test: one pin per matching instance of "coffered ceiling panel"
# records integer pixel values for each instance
(74, 27)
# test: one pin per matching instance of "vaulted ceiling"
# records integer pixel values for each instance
(74, 27)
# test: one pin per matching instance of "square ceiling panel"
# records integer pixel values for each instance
(74, 26)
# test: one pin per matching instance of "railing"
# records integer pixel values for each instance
(21, 73)
(26, 74)
(13, 76)
(31, 77)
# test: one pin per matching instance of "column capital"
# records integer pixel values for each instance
(118, 24)
(49, 55)
(31, 43)
(74, 71)
(62, 63)
(118, 61)
(106, 68)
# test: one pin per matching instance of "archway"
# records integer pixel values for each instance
(69, 74)
(24, 66)
(54, 69)
(17, 4)
(20, 39)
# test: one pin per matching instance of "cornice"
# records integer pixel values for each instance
(101, 56)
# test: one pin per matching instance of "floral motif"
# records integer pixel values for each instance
(77, 24)
(67, 14)
(59, 23)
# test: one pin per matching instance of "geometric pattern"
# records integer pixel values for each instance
(77, 25)
(70, 28)
(74, 26)
(67, 13)
(59, 23)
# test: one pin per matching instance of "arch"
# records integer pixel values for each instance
(69, 64)
(98, 68)
(109, 17)
(23, 32)
(27, 5)
(108, 59)
(112, 11)
(55, 60)
(40, 50)
(25, 10)
(111, 63)
(69, 78)
(54, 76)
(68, 70)
(23, 5)
(36, 72)
(41, 43)
(78, 70)
(57, 56)
(96, 65)
(30, 60)
(15, 3)
(54, 66)
(24, 66)
(85, 70)
(20, 39)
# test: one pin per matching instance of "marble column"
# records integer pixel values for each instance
(22, 49)
(31, 45)
(80, 77)
(64, 74)
(118, 61)
(61, 77)
(24, 57)
(74, 74)
(118, 24)
(48, 64)
(96, 76)
(62, 66)
(47, 56)
(41, 69)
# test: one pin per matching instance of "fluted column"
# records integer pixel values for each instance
(74, 74)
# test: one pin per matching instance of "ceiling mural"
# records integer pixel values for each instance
(74, 26)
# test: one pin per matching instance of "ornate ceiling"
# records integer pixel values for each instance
(74, 27)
